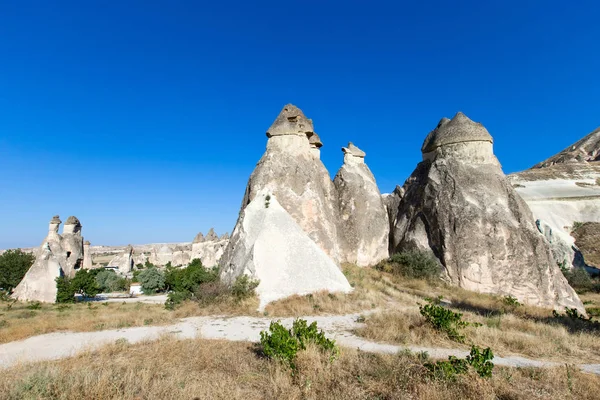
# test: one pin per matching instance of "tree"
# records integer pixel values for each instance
(108, 281)
(152, 280)
(14, 264)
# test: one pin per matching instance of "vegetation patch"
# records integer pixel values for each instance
(445, 320)
(14, 264)
(480, 360)
(412, 264)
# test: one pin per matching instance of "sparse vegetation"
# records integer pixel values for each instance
(210, 369)
(283, 344)
(108, 281)
(480, 360)
(14, 264)
(84, 283)
(412, 264)
(445, 320)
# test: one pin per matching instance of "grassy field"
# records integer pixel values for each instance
(508, 330)
(201, 369)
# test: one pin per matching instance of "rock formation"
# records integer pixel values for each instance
(290, 171)
(72, 244)
(564, 190)
(364, 219)
(267, 244)
(87, 256)
(59, 255)
(459, 204)
(181, 255)
(585, 150)
(123, 262)
(211, 236)
(210, 249)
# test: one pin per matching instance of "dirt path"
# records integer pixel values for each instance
(65, 344)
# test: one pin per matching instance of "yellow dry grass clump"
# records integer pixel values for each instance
(202, 369)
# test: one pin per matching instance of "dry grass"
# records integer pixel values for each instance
(201, 369)
(18, 322)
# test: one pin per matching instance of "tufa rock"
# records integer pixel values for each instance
(267, 244)
(199, 238)
(584, 151)
(364, 221)
(211, 236)
(124, 262)
(290, 121)
(299, 180)
(87, 255)
(459, 205)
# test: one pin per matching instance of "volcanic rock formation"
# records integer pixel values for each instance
(459, 204)
(290, 170)
(58, 255)
(123, 262)
(364, 219)
(267, 244)
(585, 150)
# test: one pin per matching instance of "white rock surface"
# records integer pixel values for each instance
(267, 244)
(39, 283)
(364, 233)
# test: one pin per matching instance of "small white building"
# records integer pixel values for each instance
(135, 289)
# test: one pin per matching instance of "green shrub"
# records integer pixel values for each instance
(445, 320)
(152, 280)
(84, 283)
(189, 278)
(14, 264)
(34, 305)
(108, 281)
(243, 287)
(479, 359)
(511, 301)
(283, 344)
(65, 292)
(412, 264)
(175, 298)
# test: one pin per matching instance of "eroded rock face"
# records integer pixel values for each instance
(267, 244)
(459, 204)
(87, 256)
(59, 255)
(363, 217)
(39, 283)
(585, 150)
(299, 180)
(124, 262)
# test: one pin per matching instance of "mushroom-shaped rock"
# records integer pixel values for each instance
(459, 129)
(302, 184)
(39, 283)
(268, 245)
(56, 220)
(291, 121)
(87, 255)
(364, 233)
(72, 225)
(461, 207)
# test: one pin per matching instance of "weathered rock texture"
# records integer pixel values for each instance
(209, 251)
(564, 190)
(123, 262)
(459, 204)
(585, 150)
(364, 220)
(58, 255)
(299, 180)
(268, 244)
(87, 256)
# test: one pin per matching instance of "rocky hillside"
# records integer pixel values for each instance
(565, 188)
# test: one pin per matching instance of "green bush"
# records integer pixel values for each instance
(152, 280)
(175, 298)
(480, 360)
(65, 292)
(445, 320)
(14, 264)
(34, 305)
(243, 287)
(189, 278)
(412, 264)
(283, 344)
(211, 292)
(84, 282)
(511, 301)
(108, 281)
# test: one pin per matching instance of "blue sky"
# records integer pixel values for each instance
(146, 118)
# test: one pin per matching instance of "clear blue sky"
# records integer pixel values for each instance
(146, 118)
